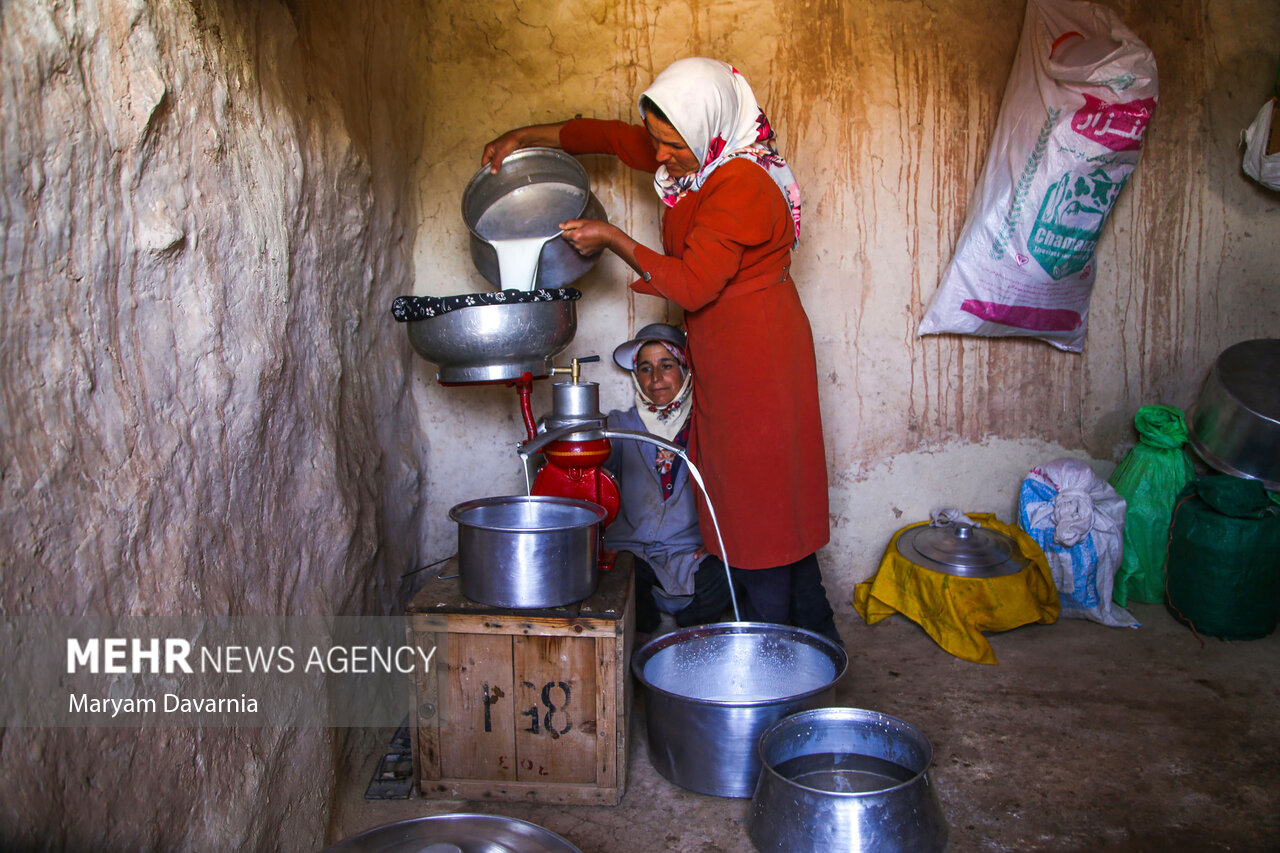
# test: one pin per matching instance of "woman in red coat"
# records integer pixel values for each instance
(732, 219)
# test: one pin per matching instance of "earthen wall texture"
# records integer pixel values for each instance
(205, 216)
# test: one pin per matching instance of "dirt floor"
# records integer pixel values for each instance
(1082, 738)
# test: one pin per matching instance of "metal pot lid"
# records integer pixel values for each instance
(962, 549)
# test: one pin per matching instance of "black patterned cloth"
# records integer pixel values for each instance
(406, 309)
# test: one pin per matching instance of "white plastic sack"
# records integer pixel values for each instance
(1077, 519)
(1258, 164)
(1070, 132)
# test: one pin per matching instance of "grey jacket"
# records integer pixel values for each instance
(662, 533)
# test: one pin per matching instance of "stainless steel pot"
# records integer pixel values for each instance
(527, 551)
(489, 343)
(534, 191)
(712, 689)
(1235, 423)
(845, 779)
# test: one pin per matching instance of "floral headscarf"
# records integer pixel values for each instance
(713, 109)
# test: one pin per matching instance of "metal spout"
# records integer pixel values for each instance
(645, 438)
(587, 430)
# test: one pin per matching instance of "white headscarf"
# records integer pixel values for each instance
(713, 109)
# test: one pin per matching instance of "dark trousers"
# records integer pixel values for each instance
(787, 595)
(710, 595)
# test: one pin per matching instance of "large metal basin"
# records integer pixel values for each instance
(528, 551)
(845, 779)
(712, 689)
(535, 190)
(456, 833)
(1235, 423)
(491, 343)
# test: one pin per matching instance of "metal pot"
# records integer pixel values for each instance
(527, 551)
(712, 689)
(489, 343)
(536, 189)
(1235, 423)
(845, 779)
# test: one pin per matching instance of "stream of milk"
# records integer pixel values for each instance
(508, 223)
(518, 261)
(630, 435)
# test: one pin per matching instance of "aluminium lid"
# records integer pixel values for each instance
(963, 550)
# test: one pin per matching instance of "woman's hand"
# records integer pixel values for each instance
(592, 236)
(535, 135)
(497, 150)
(589, 237)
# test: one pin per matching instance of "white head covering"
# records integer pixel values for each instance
(713, 109)
(665, 421)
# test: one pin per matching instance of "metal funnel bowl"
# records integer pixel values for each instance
(497, 341)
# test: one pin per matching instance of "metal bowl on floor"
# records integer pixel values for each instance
(845, 779)
(456, 833)
(495, 342)
(1235, 423)
(712, 689)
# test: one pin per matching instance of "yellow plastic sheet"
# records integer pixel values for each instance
(956, 611)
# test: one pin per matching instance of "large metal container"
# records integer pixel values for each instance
(712, 689)
(490, 343)
(1235, 423)
(527, 551)
(534, 191)
(845, 779)
(456, 833)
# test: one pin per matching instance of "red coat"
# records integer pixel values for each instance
(757, 429)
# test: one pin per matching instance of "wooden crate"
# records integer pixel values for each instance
(524, 705)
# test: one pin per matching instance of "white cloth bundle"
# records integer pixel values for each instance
(1077, 518)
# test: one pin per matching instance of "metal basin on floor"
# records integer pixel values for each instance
(712, 689)
(845, 779)
(456, 833)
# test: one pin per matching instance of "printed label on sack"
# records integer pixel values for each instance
(1117, 126)
(1071, 217)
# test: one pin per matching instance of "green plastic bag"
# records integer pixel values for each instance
(1149, 478)
(1224, 558)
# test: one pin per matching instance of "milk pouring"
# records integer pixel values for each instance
(515, 215)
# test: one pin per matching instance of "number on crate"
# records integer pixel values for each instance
(490, 698)
(548, 720)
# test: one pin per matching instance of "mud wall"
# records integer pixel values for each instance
(885, 111)
(204, 217)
